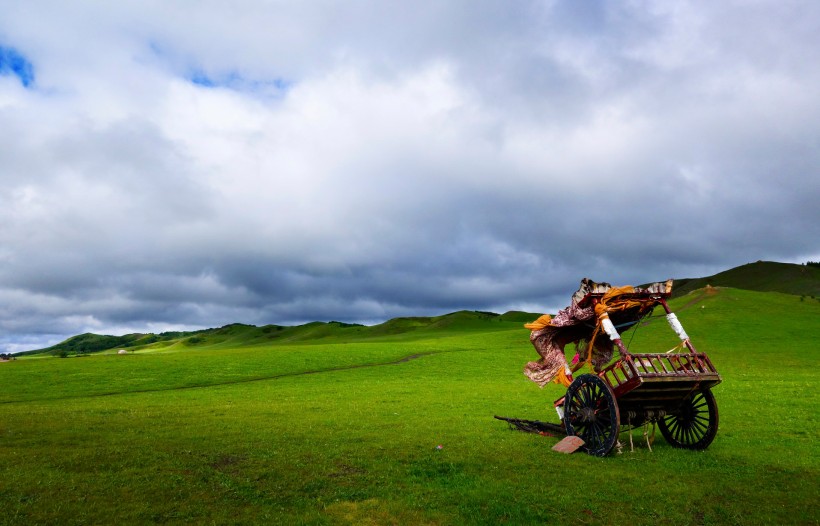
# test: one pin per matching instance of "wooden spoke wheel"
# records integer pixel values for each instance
(695, 423)
(591, 412)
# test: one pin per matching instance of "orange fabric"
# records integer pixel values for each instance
(540, 323)
(612, 301)
(562, 378)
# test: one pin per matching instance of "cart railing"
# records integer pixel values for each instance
(633, 369)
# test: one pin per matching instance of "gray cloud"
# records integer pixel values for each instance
(174, 168)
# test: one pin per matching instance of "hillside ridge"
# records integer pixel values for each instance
(316, 331)
(760, 276)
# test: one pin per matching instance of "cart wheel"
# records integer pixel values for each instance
(591, 412)
(694, 425)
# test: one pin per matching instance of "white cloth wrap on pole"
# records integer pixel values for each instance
(676, 326)
(609, 329)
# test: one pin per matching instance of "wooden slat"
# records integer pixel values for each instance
(666, 371)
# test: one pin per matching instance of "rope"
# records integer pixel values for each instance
(628, 345)
(646, 435)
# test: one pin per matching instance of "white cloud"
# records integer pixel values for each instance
(357, 162)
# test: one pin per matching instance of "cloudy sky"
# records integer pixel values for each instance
(178, 165)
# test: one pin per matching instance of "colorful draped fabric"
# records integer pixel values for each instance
(580, 324)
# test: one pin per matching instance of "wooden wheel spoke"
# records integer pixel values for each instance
(606, 430)
(595, 392)
(679, 431)
(691, 438)
(700, 421)
(700, 427)
(595, 436)
(701, 407)
(579, 396)
(672, 423)
(697, 434)
(585, 395)
(681, 434)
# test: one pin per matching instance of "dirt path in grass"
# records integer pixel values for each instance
(707, 292)
(234, 382)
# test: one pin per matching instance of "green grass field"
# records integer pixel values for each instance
(239, 434)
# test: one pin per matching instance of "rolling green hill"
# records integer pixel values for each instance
(238, 335)
(763, 276)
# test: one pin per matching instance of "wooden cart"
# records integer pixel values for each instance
(672, 389)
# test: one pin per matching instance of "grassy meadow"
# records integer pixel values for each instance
(344, 430)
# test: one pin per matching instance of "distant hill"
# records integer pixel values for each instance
(762, 276)
(238, 334)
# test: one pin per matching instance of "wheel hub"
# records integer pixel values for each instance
(587, 414)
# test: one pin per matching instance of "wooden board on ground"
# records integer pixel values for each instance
(568, 445)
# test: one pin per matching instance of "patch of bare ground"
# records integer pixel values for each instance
(706, 292)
